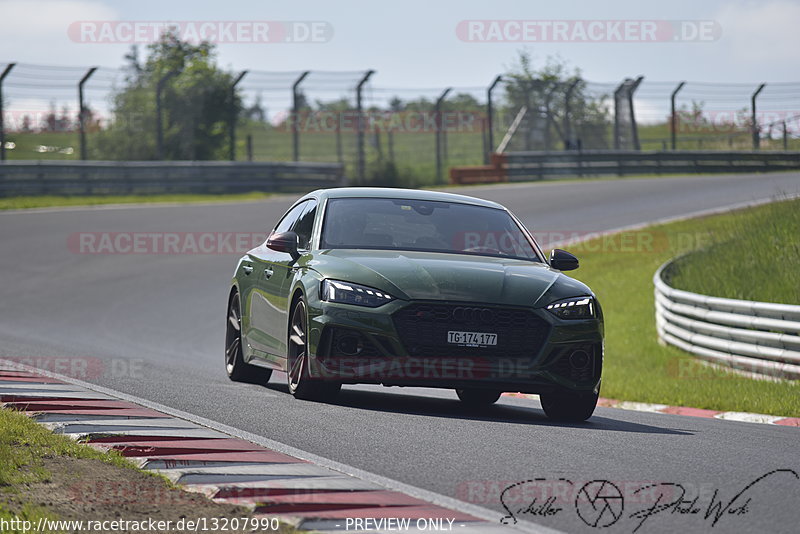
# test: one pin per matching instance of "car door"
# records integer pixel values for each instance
(284, 269)
(268, 307)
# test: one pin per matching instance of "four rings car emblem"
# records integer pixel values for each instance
(463, 314)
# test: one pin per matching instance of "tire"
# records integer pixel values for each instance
(574, 407)
(478, 398)
(235, 366)
(300, 383)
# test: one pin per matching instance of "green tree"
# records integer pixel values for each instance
(197, 105)
(543, 92)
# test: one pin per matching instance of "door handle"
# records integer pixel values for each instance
(247, 269)
(268, 273)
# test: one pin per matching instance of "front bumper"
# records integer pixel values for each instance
(352, 344)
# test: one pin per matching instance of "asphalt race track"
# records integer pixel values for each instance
(152, 325)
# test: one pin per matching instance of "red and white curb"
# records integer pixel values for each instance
(213, 459)
(742, 417)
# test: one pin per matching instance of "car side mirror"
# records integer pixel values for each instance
(563, 260)
(284, 242)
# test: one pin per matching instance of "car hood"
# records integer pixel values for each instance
(455, 277)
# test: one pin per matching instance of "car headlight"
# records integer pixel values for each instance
(572, 308)
(350, 293)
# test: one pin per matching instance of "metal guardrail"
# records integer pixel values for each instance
(758, 337)
(525, 166)
(19, 178)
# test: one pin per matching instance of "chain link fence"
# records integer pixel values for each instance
(402, 135)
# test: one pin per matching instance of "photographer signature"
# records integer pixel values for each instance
(600, 503)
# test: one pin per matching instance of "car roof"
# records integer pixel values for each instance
(409, 194)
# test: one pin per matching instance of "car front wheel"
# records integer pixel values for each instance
(300, 383)
(573, 407)
(235, 366)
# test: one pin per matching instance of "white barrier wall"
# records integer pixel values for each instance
(758, 337)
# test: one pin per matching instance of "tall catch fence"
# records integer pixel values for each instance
(395, 135)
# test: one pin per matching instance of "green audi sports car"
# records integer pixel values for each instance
(414, 288)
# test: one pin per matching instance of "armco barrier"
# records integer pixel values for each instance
(758, 337)
(526, 166)
(158, 177)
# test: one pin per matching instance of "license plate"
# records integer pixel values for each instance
(481, 339)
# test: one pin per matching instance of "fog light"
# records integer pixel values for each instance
(579, 359)
(349, 345)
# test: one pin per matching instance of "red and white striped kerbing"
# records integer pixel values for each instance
(225, 468)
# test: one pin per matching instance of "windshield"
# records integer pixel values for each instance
(431, 226)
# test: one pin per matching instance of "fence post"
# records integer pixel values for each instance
(617, 91)
(295, 113)
(360, 126)
(568, 134)
(673, 117)
(490, 118)
(2, 112)
(626, 89)
(634, 128)
(437, 112)
(233, 117)
(530, 87)
(82, 111)
(785, 137)
(756, 138)
(159, 123)
(548, 115)
(339, 153)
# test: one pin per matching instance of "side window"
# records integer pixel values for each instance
(305, 224)
(290, 218)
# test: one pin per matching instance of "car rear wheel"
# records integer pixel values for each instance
(569, 406)
(235, 365)
(477, 398)
(301, 385)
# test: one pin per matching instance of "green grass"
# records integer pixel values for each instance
(26, 448)
(620, 270)
(13, 203)
(412, 152)
(26, 513)
(56, 145)
(23, 443)
(757, 261)
(659, 137)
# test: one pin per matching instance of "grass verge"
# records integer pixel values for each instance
(26, 202)
(48, 476)
(620, 270)
(755, 262)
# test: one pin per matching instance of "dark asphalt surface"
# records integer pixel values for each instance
(153, 326)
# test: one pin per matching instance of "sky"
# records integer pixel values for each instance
(414, 43)
(437, 44)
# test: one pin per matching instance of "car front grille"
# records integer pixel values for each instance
(423, 328)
